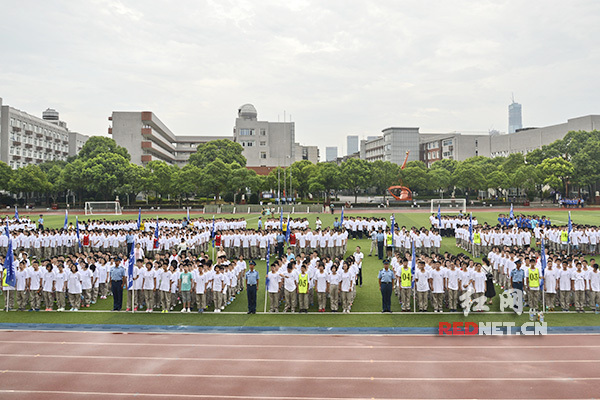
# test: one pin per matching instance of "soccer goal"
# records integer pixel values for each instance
(103, 208)
(449, 206)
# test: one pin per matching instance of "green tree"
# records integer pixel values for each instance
(414, 176)
(512, 163)
(105, 173)
(328, 178)
(469, 177)
(222, 149)
(133, 181)
(586, 164)
(301, 172)
(356, 175)
(383, 175)
(97, 145)
(526, 179)
(448, 165)
(242, 180)
(498, 180)
(29, 179)
(161, 178)
(439, 179)
(555, 173)
(216, 177)
(6, 173)
(72, 178)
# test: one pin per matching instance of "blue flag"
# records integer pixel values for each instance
(471, 228)
(439, 217)
(544, 262)
(413, 264)
(140, 218)
(212, 232)
(77, 231)
(7, 231)
(570, 228)
(342, 217)
(9, 265)
(188, 214)
(511, 215)
(17, 214)
(267, 274)
(156, 234)
(130, 267)
(287, 230)
(66, 224)
(281, 219)
(393, 229)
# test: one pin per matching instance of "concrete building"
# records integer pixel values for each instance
(351, 144)
(452, 146)
(310, 153)
(392, 145)
(147, 138)
(26, 139)
(331, 153)
(515, 118)
(265, 143)
(528, 139)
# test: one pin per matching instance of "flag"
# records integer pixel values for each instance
(9, 265)
(267, 274)
(413, 264)
(130, 267)
(7, 230)
(471, 228)
(393, 228)
(281, 218)
(212, 232)
(156, 234)
(511, 215)
(139, 218)
(287, 230)
(188, 214)
(543, 260)
(570, 228)
(342, 217)
(66, 220)
(439, 217)
(17, 214)
(77, 231)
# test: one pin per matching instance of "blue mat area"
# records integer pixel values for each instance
(262, 329)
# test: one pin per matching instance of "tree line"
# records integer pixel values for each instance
(103, 170)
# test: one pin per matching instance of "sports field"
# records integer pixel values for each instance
(366, 308)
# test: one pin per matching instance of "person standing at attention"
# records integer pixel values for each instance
(386, 283)
(117, 280)
(251, 285)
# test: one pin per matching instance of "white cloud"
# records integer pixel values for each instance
(339, 67)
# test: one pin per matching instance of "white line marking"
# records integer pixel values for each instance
(287, 346)
(298, 377)
(211, 396)
(311, 360)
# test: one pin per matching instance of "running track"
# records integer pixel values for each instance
(106, 365)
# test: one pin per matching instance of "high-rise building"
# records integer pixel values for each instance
(351, 144)
(269, 144)
(392, 146)
(147, 138)
(515, 120)
(331, 153)
(26, 139)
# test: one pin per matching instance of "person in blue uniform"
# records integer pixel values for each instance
(386, 286)
(251, 285)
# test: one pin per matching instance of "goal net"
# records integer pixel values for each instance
(449, 206)
(103, 208)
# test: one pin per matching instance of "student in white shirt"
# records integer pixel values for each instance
(149, 286)
(86, 284)
(74, 288)
(273, 287)
(346, 288)
(358, 258)
(34, 285)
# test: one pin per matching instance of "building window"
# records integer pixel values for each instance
(476, 143)
(263, 155)
(263, 143)
(246, 132)
(263, 132)
(447, 142)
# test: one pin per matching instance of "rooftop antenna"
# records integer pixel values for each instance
(513, 96)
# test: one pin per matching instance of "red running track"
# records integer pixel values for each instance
(102, 365)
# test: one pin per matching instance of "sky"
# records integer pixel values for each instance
(335, 67)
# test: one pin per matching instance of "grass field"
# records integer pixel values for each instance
(368, 298)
